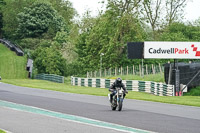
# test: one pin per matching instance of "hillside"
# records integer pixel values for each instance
(11, 65)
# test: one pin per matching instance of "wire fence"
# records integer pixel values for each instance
(187, 72)
(128, 70)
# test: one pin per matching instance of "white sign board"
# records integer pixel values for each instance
(172, 50)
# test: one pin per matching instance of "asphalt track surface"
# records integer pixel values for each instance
(150, 116)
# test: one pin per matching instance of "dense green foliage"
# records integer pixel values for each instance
(50, 33)
(10, 11)
(2, 3)
(48, 60)
(108, 35)
(64, 9)
(193, 92)
(181, 32)
(38, 19)
(11, 65)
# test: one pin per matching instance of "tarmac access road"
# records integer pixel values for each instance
(29, 110)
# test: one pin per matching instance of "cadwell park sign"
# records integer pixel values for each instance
(172, 50)
(164, 50)
(167, 50)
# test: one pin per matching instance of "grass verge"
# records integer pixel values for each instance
(151, 77)
(183, 100)
(1, 131)
(11, 65)
(194, 92)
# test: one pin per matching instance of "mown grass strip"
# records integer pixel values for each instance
(151, 77)
(11, 65)
(182, 100)
(1, 131)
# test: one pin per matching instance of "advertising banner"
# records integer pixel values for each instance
(172, 50)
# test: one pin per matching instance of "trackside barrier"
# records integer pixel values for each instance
(12, 47)
(29, 67)
(50, 77)
(155, 88)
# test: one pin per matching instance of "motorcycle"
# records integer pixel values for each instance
(118, 98)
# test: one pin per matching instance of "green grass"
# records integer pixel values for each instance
(193, 92)
(11, 65)
(47, 85)
(183, 100)
(1, 131)
(151, 77)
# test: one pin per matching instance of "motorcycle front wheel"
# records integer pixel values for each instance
(120, 104)
(113, 107)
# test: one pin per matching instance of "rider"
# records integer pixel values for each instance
(112, 89)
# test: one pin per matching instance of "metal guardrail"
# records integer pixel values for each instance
(12, 47)
(50, 77)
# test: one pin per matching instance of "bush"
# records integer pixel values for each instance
(193, 92)
(49, 60)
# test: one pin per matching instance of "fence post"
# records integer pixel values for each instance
(140, 70)
(115, 71)
(170, 72)
(127, 70)
(121, 70)
(153, 70)
(110, 71)
(95, 74)
(133, 70)
(160, 68)
(147, 69)
(63, 79)
(87, 74)
(105, 72)
(100, 72)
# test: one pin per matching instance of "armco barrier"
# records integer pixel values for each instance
(12, 47)
(51, 77)
(154, 88)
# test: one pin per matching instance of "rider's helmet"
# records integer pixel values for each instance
(118, 82)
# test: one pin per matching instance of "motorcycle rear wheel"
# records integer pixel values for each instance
(114, 104)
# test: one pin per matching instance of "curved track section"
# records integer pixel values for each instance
(150, 116)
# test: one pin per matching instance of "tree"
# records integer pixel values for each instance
(181, 32)
(10, 11)
(152, 9)
(109, 35)
(65, 9)
(85, 27)
(174, 10)
(2, 3)
(38, 19)
(49, 60)
(124, 6)
(66, 43)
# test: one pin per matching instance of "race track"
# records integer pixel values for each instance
(149, 116)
